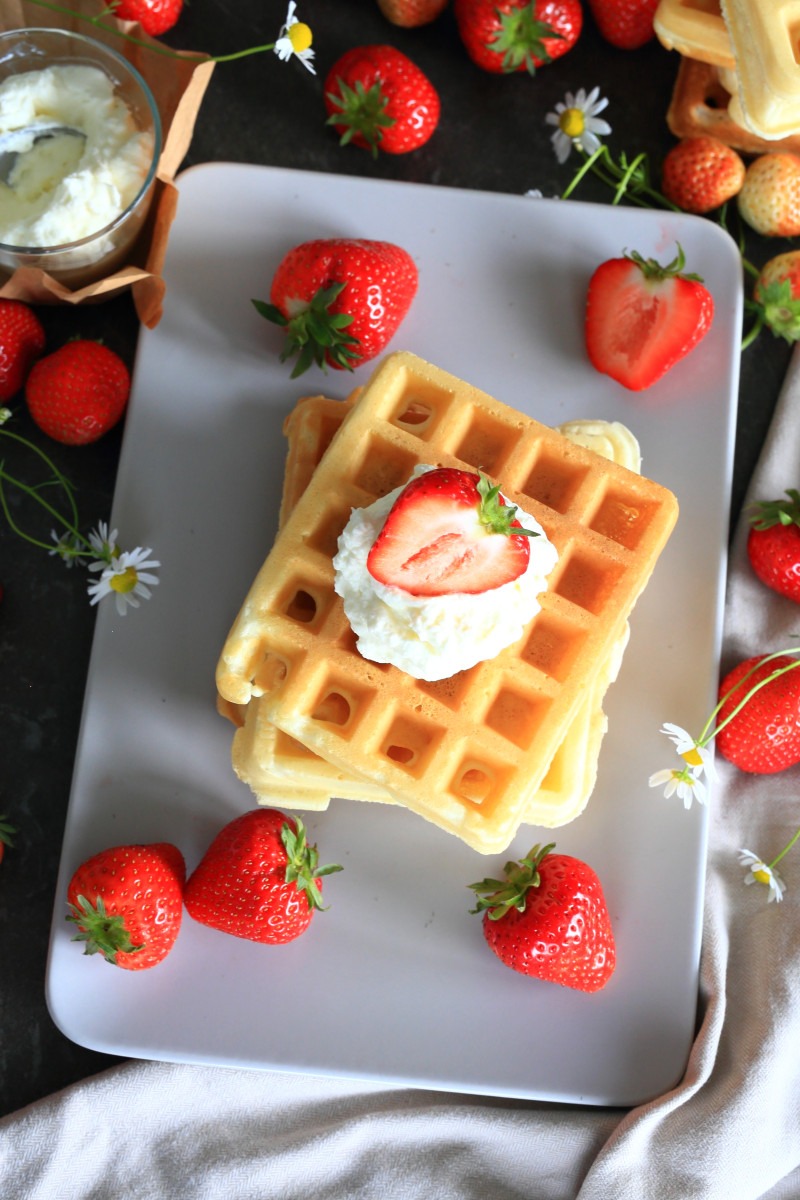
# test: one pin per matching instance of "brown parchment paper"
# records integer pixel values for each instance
(178, 85)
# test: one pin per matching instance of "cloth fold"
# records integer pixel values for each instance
(730, 1129)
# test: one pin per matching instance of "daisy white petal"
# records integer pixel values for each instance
(760, 872)
(294, 40)
(577, 123)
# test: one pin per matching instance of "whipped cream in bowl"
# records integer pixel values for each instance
(72, 203)
(433, 637)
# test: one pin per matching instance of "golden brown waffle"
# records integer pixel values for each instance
(700, 104)
(765, 38)
(274, 764)
(466, 752)
(695, 28)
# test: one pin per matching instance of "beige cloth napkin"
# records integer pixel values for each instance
(729, 1131)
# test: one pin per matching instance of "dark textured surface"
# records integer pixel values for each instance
(492, 136)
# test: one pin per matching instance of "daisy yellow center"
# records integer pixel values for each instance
(692, 757)
(762, 876)
(572, 122)
(125, 581)
(300, 37)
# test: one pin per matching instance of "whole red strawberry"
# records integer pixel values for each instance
(258, 880)
(764, 736)
(377, 98)
(776, 295)
(22, 341)
(410, 14)
(79, 392)
(340, 300)
(626, 24)
(773, 544)
(548, 918)
(127, 903)
(154, 16)
(642, 318)
(701, 173)
(502, 36)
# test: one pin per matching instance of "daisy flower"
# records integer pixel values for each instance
(127, 576)
(577, 124)
(761, 872)
(695, 754)
(294, 39)
(66, 547)
(103, 543)
(685, 782)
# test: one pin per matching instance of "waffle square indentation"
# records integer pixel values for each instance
(555, 482)
(553, 645)
(410, 743)
(304, 602)
(479, 784)
(382, 467)
(487, 443)
(324, 536)
(421, 407)
(516, 715)
(588, 581)
(339, 705)
(623, 518)
(271, 672)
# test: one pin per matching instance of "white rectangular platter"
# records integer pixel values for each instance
(394, 981)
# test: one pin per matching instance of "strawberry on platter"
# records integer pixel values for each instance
(378, 99)
(773, 544)
(127, 903)
(449, 531)
(626, 24)
(339, 300)
(763, 736)
(769, 198)
(548, 918)
(504, 36)
(642, 318)
(79, 392)
(259, 879)
(701, 173)
(22, 342)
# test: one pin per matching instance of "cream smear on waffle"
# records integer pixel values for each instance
(433, 637)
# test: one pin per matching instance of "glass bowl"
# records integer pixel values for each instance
(72, 203)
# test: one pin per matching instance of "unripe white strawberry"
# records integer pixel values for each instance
(769, 200)
(777, 295)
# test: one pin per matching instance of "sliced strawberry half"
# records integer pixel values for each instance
(449, 531)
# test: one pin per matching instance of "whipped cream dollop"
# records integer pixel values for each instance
(62, 187)
(433, 637)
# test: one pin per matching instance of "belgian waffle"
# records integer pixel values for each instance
(276, 765)
(701, 104)
(466, 752)
(695, 29)
(765, 38)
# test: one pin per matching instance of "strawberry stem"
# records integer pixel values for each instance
(768, 513)
(302, 863)
(315, 335)
(496, 897)
(706, 736)
(103, 932)
(361, 112)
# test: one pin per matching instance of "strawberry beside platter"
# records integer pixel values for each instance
(410, 993)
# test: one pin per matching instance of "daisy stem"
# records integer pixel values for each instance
(706, 736)
(98, 22)
(785, 850)
(34, 492)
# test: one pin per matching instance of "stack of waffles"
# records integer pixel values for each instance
(508, 742)
(739, 77)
